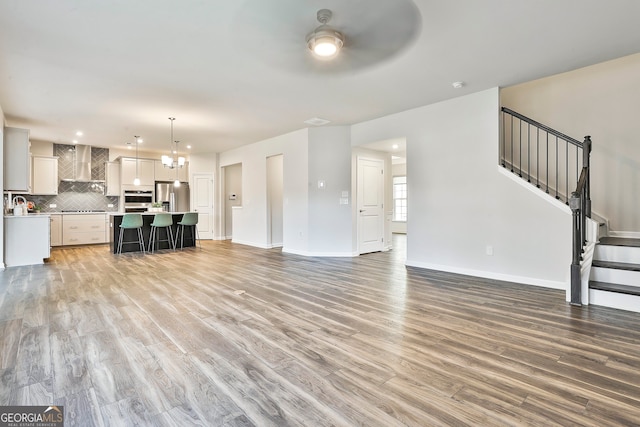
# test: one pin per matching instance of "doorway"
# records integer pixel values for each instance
(275, 208)
(202, 202)
(370, 205)
(232, 196)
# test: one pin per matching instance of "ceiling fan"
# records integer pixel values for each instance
(281, 33)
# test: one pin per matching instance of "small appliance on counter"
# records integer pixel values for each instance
(19, 206)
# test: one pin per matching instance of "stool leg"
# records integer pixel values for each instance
(172, 243)
(141, 239)
(119, 250)
(197, 235)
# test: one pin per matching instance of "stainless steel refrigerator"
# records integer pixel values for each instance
(175, 199)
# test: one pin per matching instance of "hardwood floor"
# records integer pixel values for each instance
(236, 336)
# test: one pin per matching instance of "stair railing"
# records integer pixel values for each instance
(546, 158)
(552, 161)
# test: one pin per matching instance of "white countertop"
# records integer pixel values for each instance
(31, 215)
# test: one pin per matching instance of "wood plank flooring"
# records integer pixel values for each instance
(237, 336)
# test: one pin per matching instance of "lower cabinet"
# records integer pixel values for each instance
(83, 229)
(56, 230)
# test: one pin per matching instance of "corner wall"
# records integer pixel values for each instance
(462, 207)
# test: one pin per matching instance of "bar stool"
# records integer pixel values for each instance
(129, 222)
(161, 220)
(189, 219)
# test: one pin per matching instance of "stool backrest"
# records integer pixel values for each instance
(162, 220)
(189, 218)
(131, 220)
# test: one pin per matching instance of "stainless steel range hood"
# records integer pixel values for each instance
(82, 165)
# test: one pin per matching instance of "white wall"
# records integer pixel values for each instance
(460, 202)
(601, 101)
(2, 125)
(329, 221)
(253, 231)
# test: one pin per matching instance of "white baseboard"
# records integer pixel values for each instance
(491, 275)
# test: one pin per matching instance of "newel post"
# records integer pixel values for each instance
(576, 285)
(586, 162)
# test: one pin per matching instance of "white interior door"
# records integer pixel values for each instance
(203, 203)
(370, 187)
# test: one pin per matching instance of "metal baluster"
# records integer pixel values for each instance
(547, 162)
(511, 143)
(528, 152)
(504, 136)
(520, 152)
(566, 172)
(538, 157)
(557, 158)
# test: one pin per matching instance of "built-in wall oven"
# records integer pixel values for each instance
(137, 200)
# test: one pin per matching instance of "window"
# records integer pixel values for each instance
(400, 198)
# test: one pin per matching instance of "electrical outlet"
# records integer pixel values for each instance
(489, 250)
(110, 205)
(53, 205)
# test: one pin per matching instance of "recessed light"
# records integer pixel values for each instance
(317, 121)
(189, 147)
(394, 146)
(140, 140)
(79, 133)
(75, 141)
(457, 85)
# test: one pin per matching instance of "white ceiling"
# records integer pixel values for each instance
(236, 72)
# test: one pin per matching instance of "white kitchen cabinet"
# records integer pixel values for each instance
(17, 160)
(45, 175)
(165, 174)
(56, 230)
(83, 229)
(113, 178)
(26, 239)
(128, 171)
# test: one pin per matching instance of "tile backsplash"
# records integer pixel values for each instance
(78, 195)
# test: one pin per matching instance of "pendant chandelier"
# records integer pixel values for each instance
(137, 140)
(172, 161)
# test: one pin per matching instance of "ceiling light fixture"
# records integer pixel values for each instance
(457, 85)
(325, 42)
(169, 161)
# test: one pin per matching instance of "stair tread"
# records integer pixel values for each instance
(615, 287)
(620, 241)
(616, 265)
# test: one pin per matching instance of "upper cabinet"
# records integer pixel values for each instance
(17, 160)
(145, 171)
(45, 175)
(112, 170)
(163, 173)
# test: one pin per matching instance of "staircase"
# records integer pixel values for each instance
(604, 270)
(615, 274)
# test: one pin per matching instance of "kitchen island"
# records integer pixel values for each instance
(26, 239)
(115, 219)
